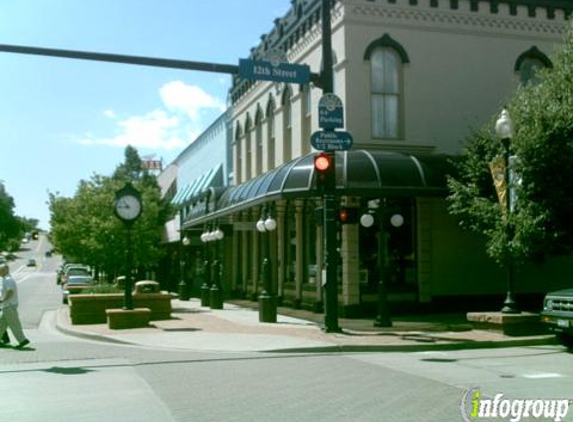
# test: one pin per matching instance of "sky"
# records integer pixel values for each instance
(63, 120)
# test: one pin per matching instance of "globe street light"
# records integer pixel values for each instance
(367, 220)
(505, 131)
(183, 288)
(206, 286)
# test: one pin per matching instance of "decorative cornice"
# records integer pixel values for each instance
(417, 16)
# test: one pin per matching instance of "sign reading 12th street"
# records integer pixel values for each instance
(273, 71)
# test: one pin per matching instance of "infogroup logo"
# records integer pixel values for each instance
(475, 407)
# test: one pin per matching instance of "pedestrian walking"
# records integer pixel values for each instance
(9, 317)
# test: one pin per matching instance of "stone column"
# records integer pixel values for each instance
(350, 251)
(299, 257)
(280, 240)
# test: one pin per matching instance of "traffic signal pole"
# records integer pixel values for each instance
(330, 224)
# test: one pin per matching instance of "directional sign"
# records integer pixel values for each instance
(323, 140)
(330, 112)
(273, 71)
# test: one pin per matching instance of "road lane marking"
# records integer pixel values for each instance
(543, 375)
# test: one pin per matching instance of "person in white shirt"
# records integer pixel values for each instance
(9, 317)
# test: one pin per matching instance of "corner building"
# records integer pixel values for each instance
(415, 77)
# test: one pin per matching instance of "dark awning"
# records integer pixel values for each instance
(365, 173)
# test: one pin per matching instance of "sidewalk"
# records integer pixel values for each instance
(236, 328)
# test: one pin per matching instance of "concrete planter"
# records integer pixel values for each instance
(91, 308)
(118, 319)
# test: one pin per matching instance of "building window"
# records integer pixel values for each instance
(238, 154)
(287, 125)
(271, 133)
(529, 62)
(385, 71)
(305, 118)
(386, 58)
(259, 141)
(248, 148)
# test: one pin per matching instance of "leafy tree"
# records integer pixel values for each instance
(10, 228)
(541, 224)
(84, 227)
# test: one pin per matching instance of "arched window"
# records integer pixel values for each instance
(259, 141)
(271, 137)
(386, 59)
(248, 149)
(306, 109)
(238, 154)
(529, 62)
(287, 124)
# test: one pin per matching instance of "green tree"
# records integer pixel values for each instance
(85, 228)
(10, 227)
(541, 224)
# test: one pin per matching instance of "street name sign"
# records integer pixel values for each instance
(273, 71)
(329, 140)
(330, 112)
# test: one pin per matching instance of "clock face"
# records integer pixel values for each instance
(128, 207)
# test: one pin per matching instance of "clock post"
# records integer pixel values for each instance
(127, 207)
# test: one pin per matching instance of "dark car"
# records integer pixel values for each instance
(557, 314)
(31, 262)
(75, 284)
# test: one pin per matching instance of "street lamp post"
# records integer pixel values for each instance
(267, 300)
(216, 292)
(183, 287)
(206, 286)
(386, 217)
(504, 130)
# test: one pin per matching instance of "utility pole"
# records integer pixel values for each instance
(329, 198)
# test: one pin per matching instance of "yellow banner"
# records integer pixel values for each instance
(497, 168)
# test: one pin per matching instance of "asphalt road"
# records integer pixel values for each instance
(64, 378)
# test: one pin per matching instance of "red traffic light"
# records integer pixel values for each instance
(323, 162)
(348, 215)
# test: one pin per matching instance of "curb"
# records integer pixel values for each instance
(461, 345)
(62, 328)
(338, 348)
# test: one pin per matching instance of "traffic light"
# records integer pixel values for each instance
(348, 215)
(324, 171)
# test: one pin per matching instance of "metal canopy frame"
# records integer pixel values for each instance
(365, 173)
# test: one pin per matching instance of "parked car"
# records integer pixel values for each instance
(75, 284)
(557, 314)
(31, 262)
(10, 256)
(73, 269)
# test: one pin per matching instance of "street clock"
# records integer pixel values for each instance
(127, 204)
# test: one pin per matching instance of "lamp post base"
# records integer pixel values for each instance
(205, 295)
(509, 306)
(267, 307)
(216, 299)
(183, 291)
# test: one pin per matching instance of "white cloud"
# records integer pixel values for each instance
(188, 99)
(172, 127)
(155, 130)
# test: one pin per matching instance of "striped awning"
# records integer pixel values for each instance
(198, 186)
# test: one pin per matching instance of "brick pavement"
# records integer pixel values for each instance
(236, 327)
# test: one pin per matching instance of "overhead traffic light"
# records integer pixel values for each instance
(324, 171)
